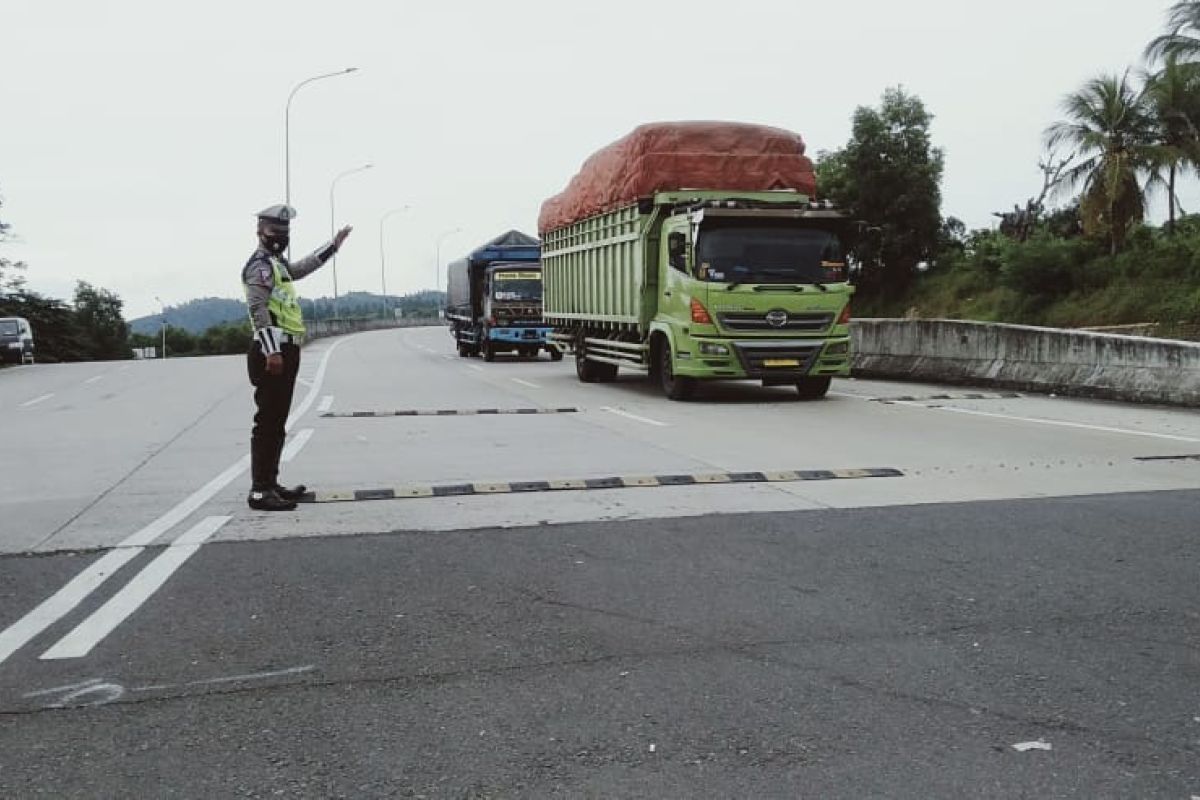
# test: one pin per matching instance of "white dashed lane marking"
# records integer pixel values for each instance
(635, 417)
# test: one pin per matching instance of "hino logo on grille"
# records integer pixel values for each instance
(777, 318)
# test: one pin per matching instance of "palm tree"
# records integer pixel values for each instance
(1172, 96)
(1182, 38)
(1110, 126)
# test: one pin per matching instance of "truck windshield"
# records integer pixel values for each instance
(767, 252)
(524, 287)
(9, 327)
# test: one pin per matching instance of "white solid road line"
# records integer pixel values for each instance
(325, 404)
(37, 400)
(1060, 423)
(63, 601)
(635, 417)
(93, 379)
(104, 620)
(55, 608)
(526, 383)
(1034, 420)
(475, 367)
(296, 444)
(315, 389)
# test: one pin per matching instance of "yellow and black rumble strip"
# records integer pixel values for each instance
(913, 399)
(586, 484)
(450, 412)
(1188, 457)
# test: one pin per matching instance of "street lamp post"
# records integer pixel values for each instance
(383, 258)
(438, 280)
(287, 125)
(332, 187)
(163, 306)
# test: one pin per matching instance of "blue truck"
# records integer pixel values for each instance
(494, 299)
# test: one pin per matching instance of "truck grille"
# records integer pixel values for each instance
(757, 357)
(778, 320)
(521, 313)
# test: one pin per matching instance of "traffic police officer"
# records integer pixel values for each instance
(274, 357)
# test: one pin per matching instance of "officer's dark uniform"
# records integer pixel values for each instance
(278, 328)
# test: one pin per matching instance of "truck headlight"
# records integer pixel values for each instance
(710, 349)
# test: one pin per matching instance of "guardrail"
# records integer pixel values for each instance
(1068, 362)
(319, 329)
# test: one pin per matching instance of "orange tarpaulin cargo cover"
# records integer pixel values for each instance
(668, 156)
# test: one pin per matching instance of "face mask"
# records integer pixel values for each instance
(276, 242)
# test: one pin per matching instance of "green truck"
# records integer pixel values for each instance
(697, 285)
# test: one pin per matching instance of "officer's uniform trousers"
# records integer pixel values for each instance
(273, 397)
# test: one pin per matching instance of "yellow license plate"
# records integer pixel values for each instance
(781, 362)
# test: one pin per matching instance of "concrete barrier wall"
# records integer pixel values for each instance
(1032, 359)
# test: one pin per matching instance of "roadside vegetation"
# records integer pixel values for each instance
(1079, 252)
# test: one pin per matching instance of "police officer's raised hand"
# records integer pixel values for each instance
(275, 364)
(341, 235)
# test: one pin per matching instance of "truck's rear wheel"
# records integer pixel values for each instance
(592, 371)
(675, 387)
(555, 354)
(464, 350)
(813, 388)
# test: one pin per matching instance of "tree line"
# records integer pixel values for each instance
(89, 328)
(1091, 259)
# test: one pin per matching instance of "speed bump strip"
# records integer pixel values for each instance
(926, 398)
(1189, 457)
(585, 484)
(449, 412)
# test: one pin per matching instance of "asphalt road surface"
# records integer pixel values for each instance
(1009, 610)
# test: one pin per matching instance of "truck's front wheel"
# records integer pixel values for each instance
(675, 387)
(489, 352)
(592, 371)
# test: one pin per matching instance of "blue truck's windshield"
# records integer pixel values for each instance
(522, 287)
(760, 252)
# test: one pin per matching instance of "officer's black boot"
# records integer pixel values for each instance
(293, 493)
(269, 500)
(264, 456)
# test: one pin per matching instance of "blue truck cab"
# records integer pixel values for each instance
(494, 300)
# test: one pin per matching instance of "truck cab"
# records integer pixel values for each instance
(16, 341)
(512, 312)
(753, 290)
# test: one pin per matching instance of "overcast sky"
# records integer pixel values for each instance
(139, 137)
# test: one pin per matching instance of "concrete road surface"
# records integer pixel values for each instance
(1012, 613)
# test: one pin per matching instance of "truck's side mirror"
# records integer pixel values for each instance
(677, 250)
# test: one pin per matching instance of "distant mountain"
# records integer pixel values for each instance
(194, 316)
(197, 316)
